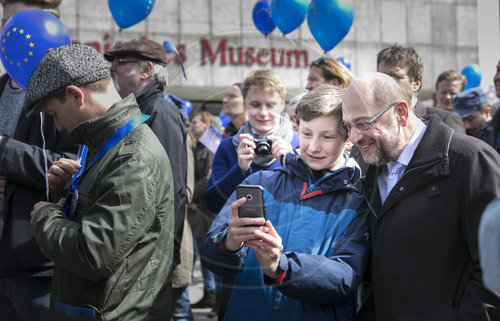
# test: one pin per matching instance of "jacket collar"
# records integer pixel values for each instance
(152, 87)
(341, 179)
(429, 162)
(94, 132)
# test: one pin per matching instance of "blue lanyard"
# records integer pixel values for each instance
(112, 141)
(70, 206)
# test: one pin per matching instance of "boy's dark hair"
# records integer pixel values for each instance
(407, 56)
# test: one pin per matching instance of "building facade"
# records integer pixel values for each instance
(220, 45)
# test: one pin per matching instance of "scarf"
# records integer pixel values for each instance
(284, 131)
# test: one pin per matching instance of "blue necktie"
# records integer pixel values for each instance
(393, 177)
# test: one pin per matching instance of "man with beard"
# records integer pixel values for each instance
(427, 187)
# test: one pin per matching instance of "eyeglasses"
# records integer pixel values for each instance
(364, 125)
(122, 61)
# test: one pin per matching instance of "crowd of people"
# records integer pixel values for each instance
(372, 202)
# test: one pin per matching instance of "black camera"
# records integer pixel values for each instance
(262, 146)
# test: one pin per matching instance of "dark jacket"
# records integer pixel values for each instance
(425, 261)
(22, 162)
(167, 123)
(452, 119)
(114, 255)
(323, 226)
(200, 218)
(488, 133)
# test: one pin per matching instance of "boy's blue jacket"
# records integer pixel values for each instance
(324, 228)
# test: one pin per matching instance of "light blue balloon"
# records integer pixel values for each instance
(24, 40)
(288, 15)
(130, 12)
(473, 75)
(329, 21)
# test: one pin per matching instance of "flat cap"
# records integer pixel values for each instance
(144, 49)
(74, 64)
(468, 100)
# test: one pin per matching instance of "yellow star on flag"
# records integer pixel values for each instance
(14, 29)
(30, 53)
(21, 31)
(28, 36)
(32, 44)
(25, 59)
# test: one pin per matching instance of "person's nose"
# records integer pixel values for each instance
(309, 86)
(354, 135)
(314, 145)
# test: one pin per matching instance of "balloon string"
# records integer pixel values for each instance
(118, 37)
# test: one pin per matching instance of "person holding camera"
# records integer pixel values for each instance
(306, 257)
(261, 143)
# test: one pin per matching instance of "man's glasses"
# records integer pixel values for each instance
(122, 61)
(364, 125)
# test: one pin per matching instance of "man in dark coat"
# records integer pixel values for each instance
(427, 187)
(137, 67)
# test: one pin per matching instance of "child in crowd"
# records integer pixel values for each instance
(305, 260)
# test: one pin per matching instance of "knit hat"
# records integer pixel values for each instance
(468, 100)
(144, 49)
(75, 64)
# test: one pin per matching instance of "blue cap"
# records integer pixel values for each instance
(468, 100)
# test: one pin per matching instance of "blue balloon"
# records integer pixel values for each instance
(288, 15)
(329, 21)
(473, 75)
(261, 16)
(25, 38)
(130, 12)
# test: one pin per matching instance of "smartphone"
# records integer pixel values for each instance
(254, 207)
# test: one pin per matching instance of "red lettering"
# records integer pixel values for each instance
(260, 54)
(250, 60)
(240, 56)
(298, 54)
(281, 52)
(206, 48)
(182, 52)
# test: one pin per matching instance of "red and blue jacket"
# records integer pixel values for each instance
(324, 226)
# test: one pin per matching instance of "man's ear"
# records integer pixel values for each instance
(416, 85)
(146, 71)
(75, 94)
(402, 111)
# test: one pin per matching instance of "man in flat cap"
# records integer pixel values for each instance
(139, 67)
(472, 105)
(111, 238)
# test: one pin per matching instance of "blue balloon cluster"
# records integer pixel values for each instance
(25, 38)
(329, 20)
(473, 75)
(130, 12)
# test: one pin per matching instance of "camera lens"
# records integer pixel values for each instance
(249, 197)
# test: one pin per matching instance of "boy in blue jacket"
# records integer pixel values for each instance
(306, 259)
